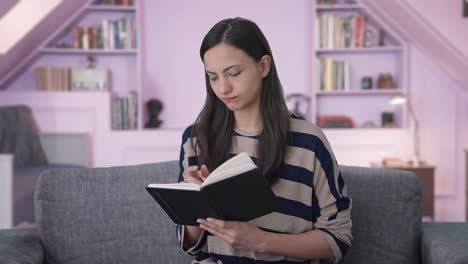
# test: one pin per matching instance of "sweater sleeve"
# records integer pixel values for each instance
(331, 204)
(187, 159)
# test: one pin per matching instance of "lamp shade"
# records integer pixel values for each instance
(398, 99)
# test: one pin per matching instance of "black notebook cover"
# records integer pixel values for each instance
(240, 198)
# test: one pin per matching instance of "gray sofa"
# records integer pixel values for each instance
(104, 215)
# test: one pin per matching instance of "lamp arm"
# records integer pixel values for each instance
(416, 141)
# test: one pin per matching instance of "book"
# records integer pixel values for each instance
(235, 191)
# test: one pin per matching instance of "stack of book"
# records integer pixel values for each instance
(125, 112)
(51, 78)
(120, 34)
(333, 75)
(115, 2)
(338, 31)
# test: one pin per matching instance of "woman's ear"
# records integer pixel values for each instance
(265, 65)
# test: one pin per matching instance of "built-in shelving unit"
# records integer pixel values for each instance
(350, 48)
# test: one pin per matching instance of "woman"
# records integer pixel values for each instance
(245, 111)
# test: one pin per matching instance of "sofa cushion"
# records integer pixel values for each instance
(105, 215)
(445, 243)
(18, 136)
(386, 215)
(24, 184)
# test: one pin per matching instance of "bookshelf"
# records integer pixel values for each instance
(347, 43)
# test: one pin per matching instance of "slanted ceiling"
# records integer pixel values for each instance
(6, 5)
(27, 48)
(402, 18)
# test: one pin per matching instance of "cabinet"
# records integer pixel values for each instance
(352, 50)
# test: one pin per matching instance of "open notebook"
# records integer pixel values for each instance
(236, 190)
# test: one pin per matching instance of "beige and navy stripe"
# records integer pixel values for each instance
(311, 194)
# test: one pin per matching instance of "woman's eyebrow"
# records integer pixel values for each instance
(232, 66)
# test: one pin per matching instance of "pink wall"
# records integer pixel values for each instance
(446, 17)
(173, 34)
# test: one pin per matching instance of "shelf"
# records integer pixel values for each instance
(360, 50)
(374, 91)
(89, 51)
(363, 129)
(111, 8)
(338, 7)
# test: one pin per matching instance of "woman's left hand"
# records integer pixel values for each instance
(242, 235)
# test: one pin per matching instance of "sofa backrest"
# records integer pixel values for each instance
(386, 214)
(104, 215)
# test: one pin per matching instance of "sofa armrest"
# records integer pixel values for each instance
(444, 243)
(21, 245)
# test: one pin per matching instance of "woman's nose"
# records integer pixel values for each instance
(225, 86)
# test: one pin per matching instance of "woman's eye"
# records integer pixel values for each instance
(213, 79)
(234, 74)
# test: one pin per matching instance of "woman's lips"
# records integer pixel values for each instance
(229, 99)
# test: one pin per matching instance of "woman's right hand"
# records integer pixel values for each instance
(192, 233)
(195, 175)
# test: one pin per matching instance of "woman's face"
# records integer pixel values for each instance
(235, 78)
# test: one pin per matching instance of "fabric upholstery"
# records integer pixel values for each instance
(105, 215)
(24, 184)
(20, 246)
(387, 211)
(445, 243)
(18, 136)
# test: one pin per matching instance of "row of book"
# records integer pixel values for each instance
(119, 34)
(116, 2)
(124, 111)
(51, 78)
(339, 31)
(333, 75)
(332, 2)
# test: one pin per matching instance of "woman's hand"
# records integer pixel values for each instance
(196, 176)
(242, 235)
(192, 233)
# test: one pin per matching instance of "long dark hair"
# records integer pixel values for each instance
(214, 125)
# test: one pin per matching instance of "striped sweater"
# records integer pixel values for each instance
(310, 190)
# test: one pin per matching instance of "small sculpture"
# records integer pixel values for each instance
(154, 107)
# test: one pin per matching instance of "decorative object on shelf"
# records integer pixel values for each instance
(298, 103)
(335, 121)
(385, 81)
(366, 83)
(388, 120)
(89, 79)
(369, 124)
(63, 45)
(381, 37)
(91, 61)
(370, 38)
(154, 107)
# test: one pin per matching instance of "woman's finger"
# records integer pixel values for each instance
(204, 171)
